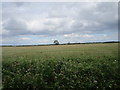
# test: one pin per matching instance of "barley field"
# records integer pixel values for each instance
(80, 66)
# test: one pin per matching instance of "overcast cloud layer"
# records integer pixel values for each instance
(41, 23)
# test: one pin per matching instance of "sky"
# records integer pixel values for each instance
(42, 23)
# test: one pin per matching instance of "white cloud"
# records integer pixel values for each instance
(70, 20)
(25, 38)
(78, 35)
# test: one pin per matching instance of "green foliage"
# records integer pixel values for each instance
(61, 70)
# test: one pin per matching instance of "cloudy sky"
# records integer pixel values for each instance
(42, 23)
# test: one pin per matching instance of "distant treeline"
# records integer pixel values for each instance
(60, 44)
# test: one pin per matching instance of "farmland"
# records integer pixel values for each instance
(61, 66)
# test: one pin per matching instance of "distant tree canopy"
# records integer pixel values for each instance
(56, 42)
(68, 43)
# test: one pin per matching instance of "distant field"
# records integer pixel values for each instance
(61, 66)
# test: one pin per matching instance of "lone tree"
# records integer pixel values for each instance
(56, 42)
(68, 43)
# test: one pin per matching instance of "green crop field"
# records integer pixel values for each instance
(61, 66)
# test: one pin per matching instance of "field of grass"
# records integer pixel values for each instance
(61, 66)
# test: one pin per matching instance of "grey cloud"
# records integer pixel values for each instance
(19, 4)
(14, 24)
(99, 18)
